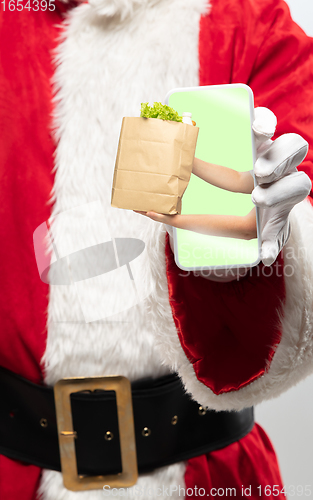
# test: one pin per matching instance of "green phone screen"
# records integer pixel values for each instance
(223, 115)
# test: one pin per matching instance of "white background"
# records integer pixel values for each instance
(288, 420)
(302, 13)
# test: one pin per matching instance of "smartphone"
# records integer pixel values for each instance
(224, 115)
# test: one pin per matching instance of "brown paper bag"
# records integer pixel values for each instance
(153, 164)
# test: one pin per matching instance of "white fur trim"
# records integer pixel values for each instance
(106, 69)
(119, 8)
(148, 486)
(293, 359)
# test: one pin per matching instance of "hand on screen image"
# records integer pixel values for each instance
(279, 188)
(232, 226)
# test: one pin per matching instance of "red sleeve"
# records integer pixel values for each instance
(254, 42)
(257, 43)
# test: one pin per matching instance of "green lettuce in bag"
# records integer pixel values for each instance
(159, 110)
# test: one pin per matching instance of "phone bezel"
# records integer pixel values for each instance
(232, 266)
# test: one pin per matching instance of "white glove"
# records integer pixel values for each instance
(279, 185)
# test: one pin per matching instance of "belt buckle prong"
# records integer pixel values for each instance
(62, 391)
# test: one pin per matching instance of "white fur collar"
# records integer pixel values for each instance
(119, 8)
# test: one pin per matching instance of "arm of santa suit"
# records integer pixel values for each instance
(235, 344)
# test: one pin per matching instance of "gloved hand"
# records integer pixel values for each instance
(279, 184)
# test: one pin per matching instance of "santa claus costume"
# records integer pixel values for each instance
(233, 344)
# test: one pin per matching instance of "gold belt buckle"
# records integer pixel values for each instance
(62, 391)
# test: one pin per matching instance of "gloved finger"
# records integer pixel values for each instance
(269, 252)
(281, 159)
(286, 192)
(275, 201)
(271, 248)
(263, 147)
(264, 125)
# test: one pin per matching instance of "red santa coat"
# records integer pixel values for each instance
(251, 42)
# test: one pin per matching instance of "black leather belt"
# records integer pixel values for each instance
(169, 426)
